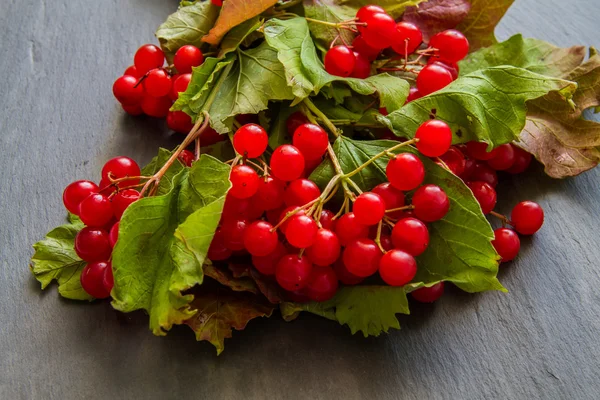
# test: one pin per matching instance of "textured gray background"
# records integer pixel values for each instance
(59, 122)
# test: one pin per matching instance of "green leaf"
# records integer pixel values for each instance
(460, 247)
(238, 35)
(166, 183)
(55, 260)
(532, 54)
(329, 11)
(186, 26)
(304, 70)
(243, 83)
(480, 24)
(225, 278)
(368, 309)
(265, 284)
(393, 7)
(435, 16)
(487, 105)
(218, 311)
(278, 133)
(233, 13)
(161, 248)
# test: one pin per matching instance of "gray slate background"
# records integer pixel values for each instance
(59, 122)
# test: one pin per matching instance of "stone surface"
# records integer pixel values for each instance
(59, 122)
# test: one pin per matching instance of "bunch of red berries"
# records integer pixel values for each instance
(378, 31)
(478, 168)
(280, 219)
(100, 208)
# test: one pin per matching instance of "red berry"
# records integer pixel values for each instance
(92, 279)
(284, 213)
(250, 140)
(435, 138)
(113, 235)
(504, 157)
(340, 61)
(76, 192)
(413, 94)
(300, 192)
(244, 182)
(186, 157)
(179, 121)
(380, 30)
(132, 71)
(217, 3)
(157, 107)
(92, 244)
(267, 265)
(361, 47)
(233, 234)
(428, 294)
(507, 243)
(521, 162)
(322, 284)
(186, 57)
(361, 257)
(294, 121)
(133, 110)
(259, 239)
(148, 57)
(527, 217)
(310, 166)
(122, 200)
(405, 171)
(411, 236)
(482, 172)
(348, 229)
(451, 67)
(293, 272)
(180, 84)
(108, 280)
(287, 163)
(256, 209)
(95, 210)
(326, 220)
(121, 167)
(301, 231)
(325, 249)
(344, 275)
(369, 208)
(311, 140)
(397, 268)
(218, 251)
(408, 37)
(431, 203)
(454, 160)
(362, 67)
(452, 45)
(158, 83)
(270, 192)
(433, 78)
(392, 197)
(126, 91)
(478, 151)
(386, 242)
(366, 11)
(485, 195)
(470, 166)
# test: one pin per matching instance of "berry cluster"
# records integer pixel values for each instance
(378, 31)
(148, 87)
(478, 168)
(100, 208)
(280, 220)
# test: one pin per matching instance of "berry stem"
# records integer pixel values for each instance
(409, 207)
(503, 218)
(310, 105)
(386, 152)
(196, 131)
(378, 236)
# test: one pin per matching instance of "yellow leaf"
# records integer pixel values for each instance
(233, 13)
